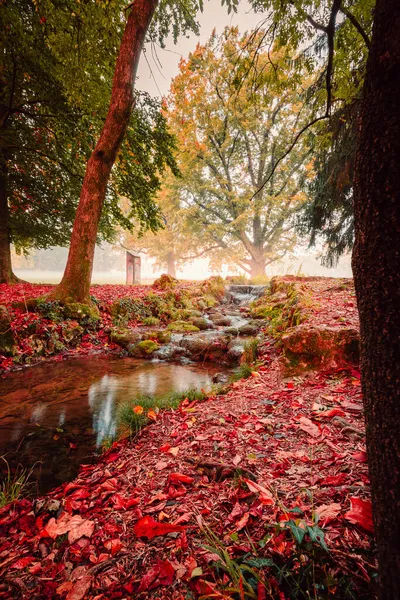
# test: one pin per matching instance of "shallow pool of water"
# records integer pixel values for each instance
(56, 415)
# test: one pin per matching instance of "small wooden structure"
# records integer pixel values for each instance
(132, 268)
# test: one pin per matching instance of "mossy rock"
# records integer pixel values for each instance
(161, 335)
(165, 282)
(125, 337)
(80, 312)
(7, 342)
(182, 327)
(314, 347)
(144, 348)
(201, 323)
(249, 329)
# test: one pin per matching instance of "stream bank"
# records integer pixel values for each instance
(263, 489)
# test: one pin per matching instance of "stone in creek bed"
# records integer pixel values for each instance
(125, 337)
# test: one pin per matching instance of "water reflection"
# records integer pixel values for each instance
(59, 413)
(101, 398)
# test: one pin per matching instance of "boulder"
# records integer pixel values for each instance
(310, 346)
(125, 337)
(182, 327)
(143, 349)
(201, 323)
(80, 312)
(249, 329)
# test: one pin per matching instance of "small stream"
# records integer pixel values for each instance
(57, 415)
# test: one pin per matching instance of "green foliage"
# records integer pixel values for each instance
(250, 351)
(150, 321)
(129, 421)
(14, 485)
(243, 371)
(51, 117)
(129, 308)
(329, 214)
(307, 572)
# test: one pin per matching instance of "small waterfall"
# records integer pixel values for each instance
(244, 294)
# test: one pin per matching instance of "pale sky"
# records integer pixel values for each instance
(158, 80)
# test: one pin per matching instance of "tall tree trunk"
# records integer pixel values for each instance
(75, 284)
(376, 268)
(257, 267)
(6, 273)
(171, 269)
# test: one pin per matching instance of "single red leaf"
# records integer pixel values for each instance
(360, 513)
(328, 512)
(23, 562)
(265, 495)
(149, 528)
(309, 427)
(180, 478)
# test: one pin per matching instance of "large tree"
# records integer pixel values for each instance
(231, 129)
(376, 266)
(376, 263)
(55, 73)
(75, 284)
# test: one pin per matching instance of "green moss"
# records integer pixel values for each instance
(80, 312)
(182, 327)
(161, 335)
(200, 323)
(151, 321)
(145, 348)
(165, 282)
(125, 337)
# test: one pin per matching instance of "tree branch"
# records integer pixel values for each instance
(357, 25)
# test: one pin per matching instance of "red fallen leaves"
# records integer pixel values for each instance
(360, 513)
(162, 573)
(148, 528)
(75, 526)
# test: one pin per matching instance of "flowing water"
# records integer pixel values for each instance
(56, 415)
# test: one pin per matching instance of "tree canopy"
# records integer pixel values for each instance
(232, 115)
(55, 77)
(333, 38)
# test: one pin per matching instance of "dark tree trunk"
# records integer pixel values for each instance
(376, 268)
(6, 273)
(171, 269)
(75, 284)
